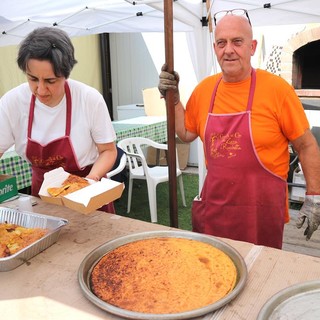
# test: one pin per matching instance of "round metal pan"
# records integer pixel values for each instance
(92, 258)
(300, 301)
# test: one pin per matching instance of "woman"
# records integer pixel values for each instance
(54, 121)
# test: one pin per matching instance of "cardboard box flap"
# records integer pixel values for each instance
(94, 196)
(53, 178)
(86, 194)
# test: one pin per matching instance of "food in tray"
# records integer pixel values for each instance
(163, 275)
(14, 238)
(71, 184)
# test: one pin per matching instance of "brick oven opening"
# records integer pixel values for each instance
(306, 66)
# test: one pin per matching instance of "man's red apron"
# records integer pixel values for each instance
(57, 153)
(240, 199)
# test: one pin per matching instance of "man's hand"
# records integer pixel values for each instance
(310, 211)
(169, 81)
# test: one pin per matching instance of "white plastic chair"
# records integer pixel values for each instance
(135, 149)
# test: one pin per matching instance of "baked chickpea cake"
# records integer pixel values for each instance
(163, 275)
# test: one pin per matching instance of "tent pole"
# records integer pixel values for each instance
(168, 35)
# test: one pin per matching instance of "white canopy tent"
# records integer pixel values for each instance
(81, 17)
(85, 17)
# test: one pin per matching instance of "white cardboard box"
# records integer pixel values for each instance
(85, 200)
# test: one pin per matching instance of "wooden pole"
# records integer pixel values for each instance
(168, 35)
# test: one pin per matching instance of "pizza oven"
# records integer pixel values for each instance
(297, 61)
(300, 63)
(306, 66)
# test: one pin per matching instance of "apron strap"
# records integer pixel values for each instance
(252, 89)
(31, 113)
(69, 108)
(213, 96)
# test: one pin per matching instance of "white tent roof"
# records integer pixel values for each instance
(83, 17)
(274, 12)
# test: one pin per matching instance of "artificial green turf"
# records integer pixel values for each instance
(140, 205)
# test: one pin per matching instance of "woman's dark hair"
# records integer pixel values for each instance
(51, 44)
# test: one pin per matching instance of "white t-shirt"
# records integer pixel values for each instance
(90, 121)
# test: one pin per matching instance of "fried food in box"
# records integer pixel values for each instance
(71, 184)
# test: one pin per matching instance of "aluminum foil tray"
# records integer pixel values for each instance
(92, 258)
(30, 220)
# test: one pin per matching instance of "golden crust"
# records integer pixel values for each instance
(75, 179)
(14, 238)
(163, 275)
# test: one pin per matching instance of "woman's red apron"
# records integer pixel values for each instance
(240, 199)
(57, 153)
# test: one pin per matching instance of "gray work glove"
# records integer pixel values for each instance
(169, 81)
(310, 210)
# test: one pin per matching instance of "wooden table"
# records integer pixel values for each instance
(46, 288)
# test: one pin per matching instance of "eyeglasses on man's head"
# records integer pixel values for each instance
(235, 12)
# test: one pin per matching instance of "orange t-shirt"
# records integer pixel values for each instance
(277, 114)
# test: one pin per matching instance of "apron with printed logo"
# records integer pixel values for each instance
(57, 153)
(240, 199)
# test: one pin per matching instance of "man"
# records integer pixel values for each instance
(246, 118)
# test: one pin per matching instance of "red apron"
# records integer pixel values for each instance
(240, 199)
(57, 153)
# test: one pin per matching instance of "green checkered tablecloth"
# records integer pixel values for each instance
(155, 131)
(12, 164)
